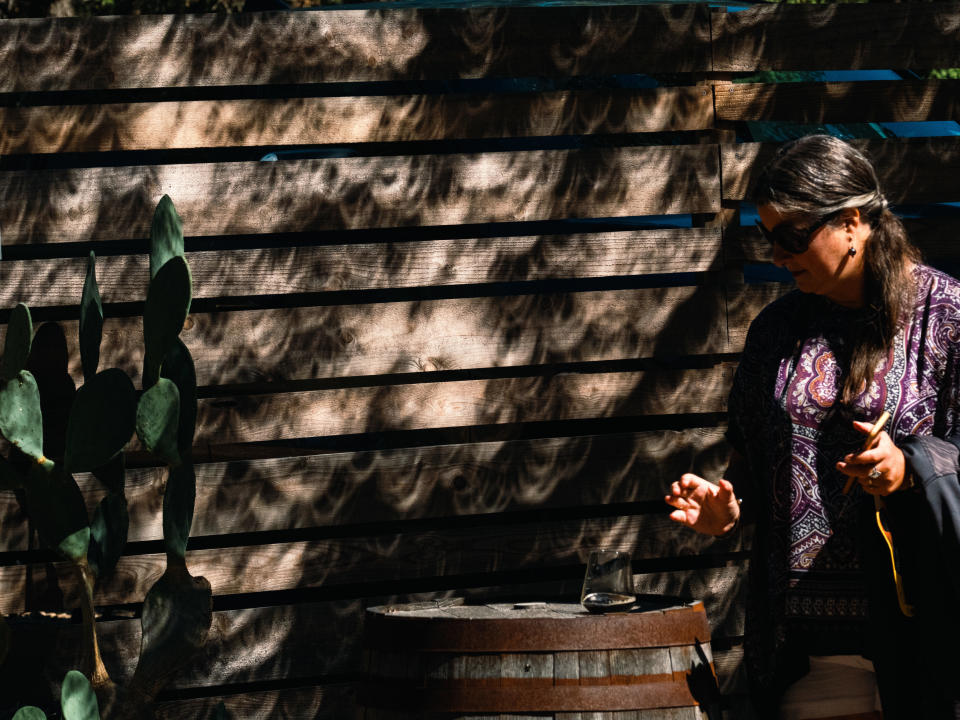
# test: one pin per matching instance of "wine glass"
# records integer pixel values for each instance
(608, 583)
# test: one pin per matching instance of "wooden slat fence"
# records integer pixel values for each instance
(439, 350)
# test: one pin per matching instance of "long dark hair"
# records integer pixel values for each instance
(815, 177)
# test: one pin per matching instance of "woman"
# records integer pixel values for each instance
(868, 329)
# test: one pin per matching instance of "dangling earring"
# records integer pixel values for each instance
(852, 251)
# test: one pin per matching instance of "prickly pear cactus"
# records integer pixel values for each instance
(167, 307)
(166, 235)
(91, 321)
(101, 420)
(106, 411)
(21, 421)
(16, 348)
(77, 699)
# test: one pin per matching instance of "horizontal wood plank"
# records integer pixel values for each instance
(347, 120)
(262, 418)
(349, 45)
(433, 482)
(875, 101)
(918, 36)
(310, 343)
(917, 170)
(390, 557)
(375, 266)
(97, 204)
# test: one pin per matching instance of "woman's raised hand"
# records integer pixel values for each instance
(707, 508)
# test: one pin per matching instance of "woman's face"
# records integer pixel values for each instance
(826, 267)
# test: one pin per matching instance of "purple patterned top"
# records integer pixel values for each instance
(807, 572)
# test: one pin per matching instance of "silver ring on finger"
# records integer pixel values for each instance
(874, 474)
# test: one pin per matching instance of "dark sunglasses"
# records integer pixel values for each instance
(791, 238)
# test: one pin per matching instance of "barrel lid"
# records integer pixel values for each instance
(452, 626)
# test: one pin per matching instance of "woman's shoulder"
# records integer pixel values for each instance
(779, 311)
(936, 287)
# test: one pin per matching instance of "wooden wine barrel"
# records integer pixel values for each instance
(450, 660)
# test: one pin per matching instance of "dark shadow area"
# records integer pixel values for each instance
(791, 37)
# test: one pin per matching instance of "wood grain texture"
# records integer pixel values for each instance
(350, 341)
(323, 413)
(349, 45)
(875, 36)
(879, 101)
(375, 266)
(347, 120)
(434, 482)
(390, 557)
(917, 170)
(97, 204)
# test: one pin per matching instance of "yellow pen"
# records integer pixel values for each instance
(873, 435)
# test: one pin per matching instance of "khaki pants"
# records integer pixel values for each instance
(837, 686)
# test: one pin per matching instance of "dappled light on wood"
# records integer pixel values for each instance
(350, 45)
(789, 37)
(348, 193)
(336, 120)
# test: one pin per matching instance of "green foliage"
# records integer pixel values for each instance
(168, 303)
(177, 612)
(157, 416)
(20, 420)
(30, 713)
(108, 533)
(77, 698)
(178, 367)
(105, 412)
(166, 235)
(178, 503)
(56, 507)
(101, 420)
(945, 74)
(16, 347)
(91, 321)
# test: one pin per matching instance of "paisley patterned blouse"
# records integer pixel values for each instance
(807, 579)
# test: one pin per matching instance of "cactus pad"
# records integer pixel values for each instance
(29, 712)
(20, 419)
(178, 502)
(168, 303)
(101, 420)
(16, 348)
(77, 698)
(158, 413)
(166, 235)
(91, 321)
(177, 613)
(178, 367)
(57, 508)
(108, 533)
